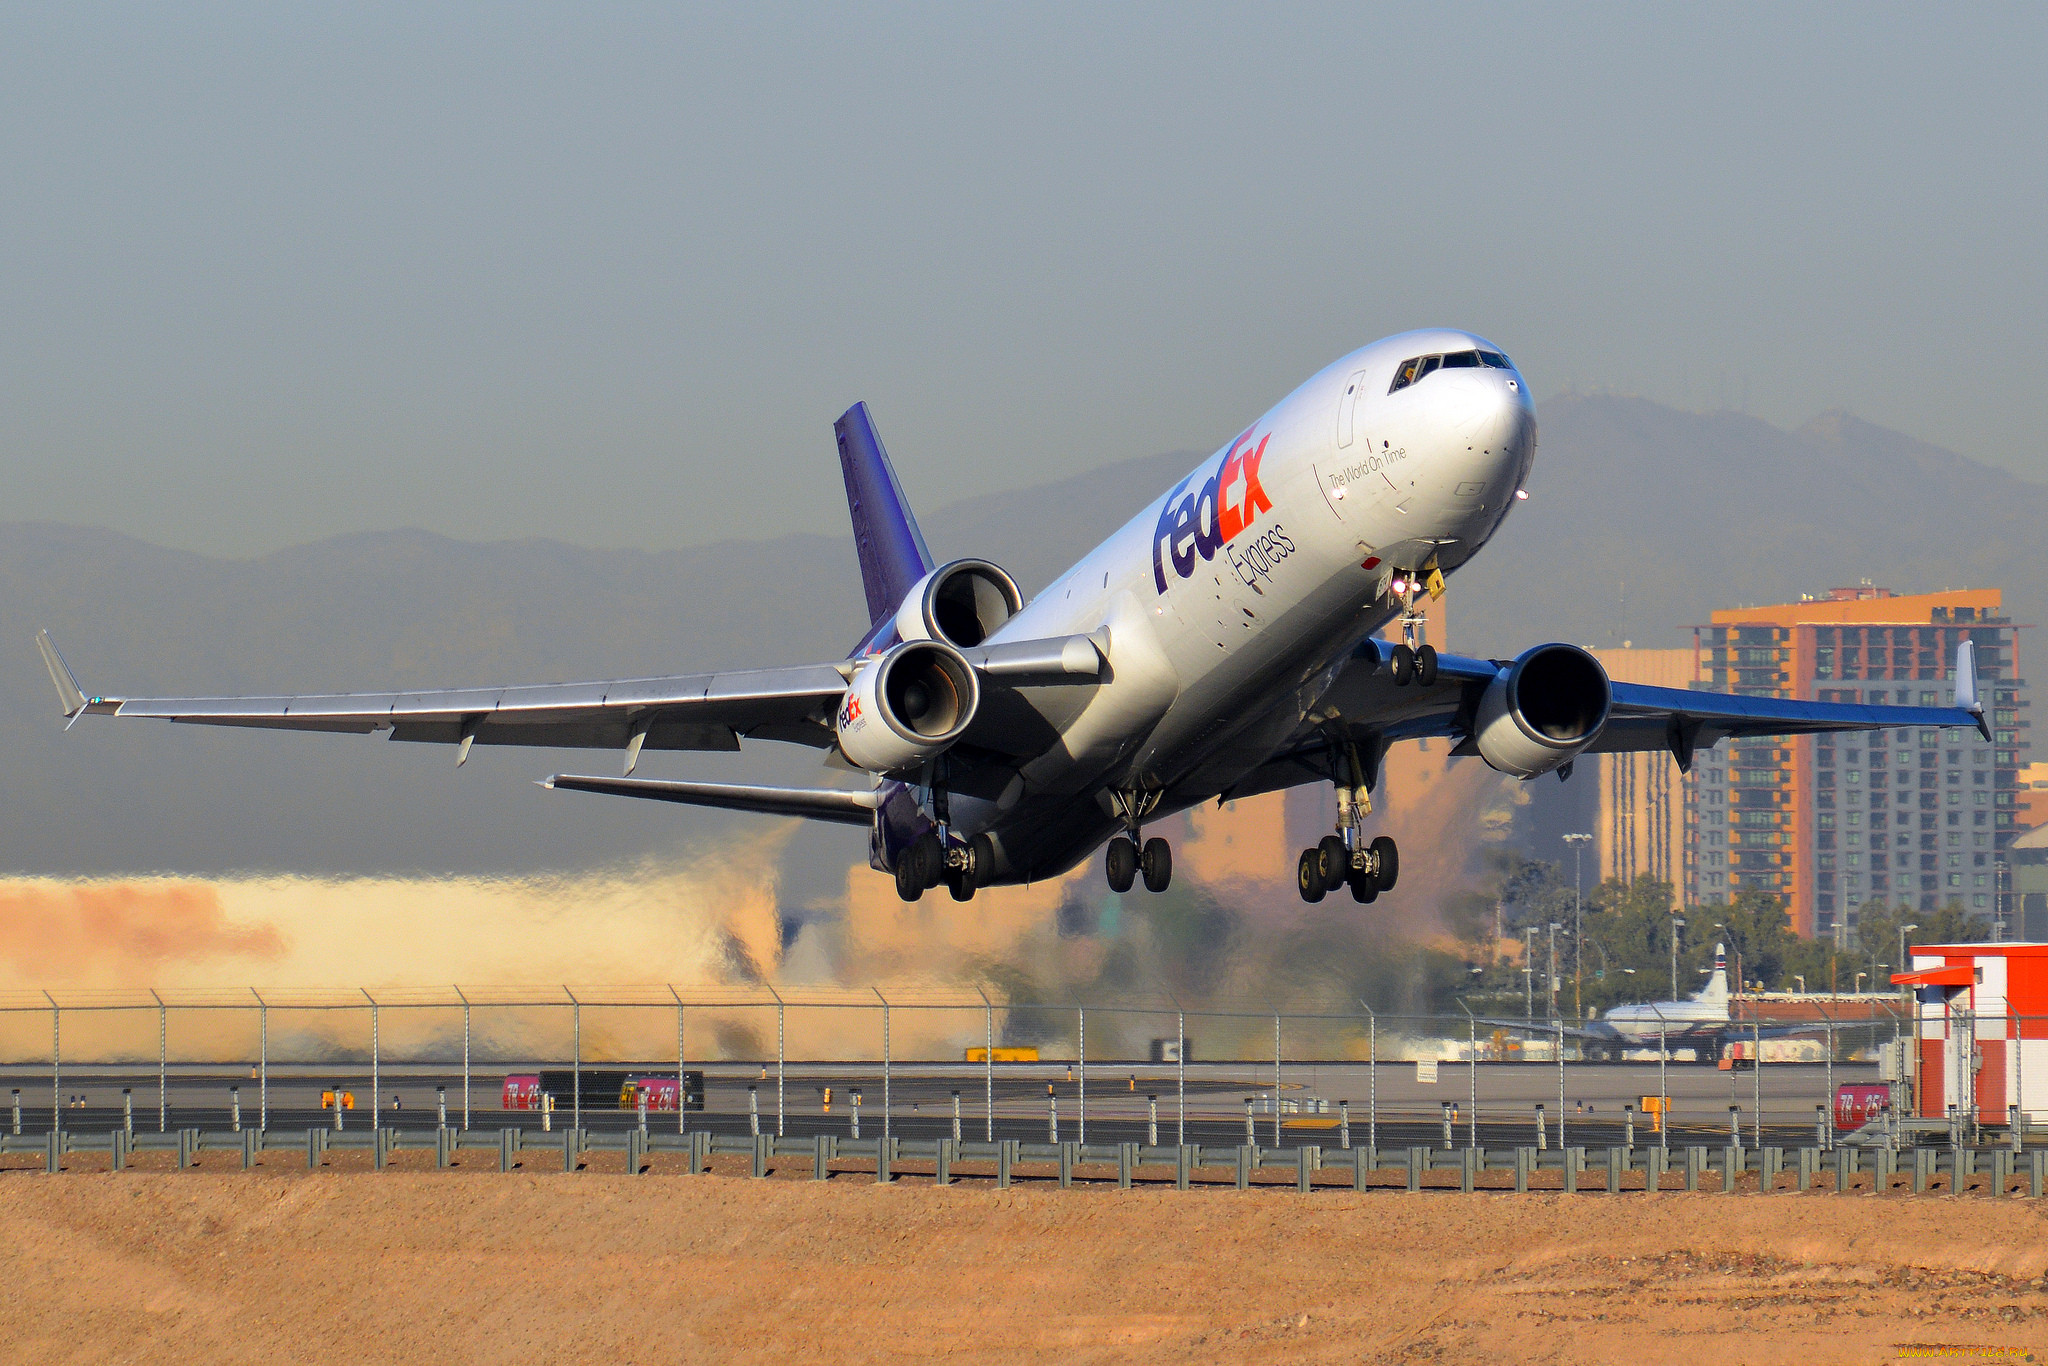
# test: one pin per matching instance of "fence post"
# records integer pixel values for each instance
(235, 1108)
(163, 1044)
(1471, 1073)
(56, 1063)
(1756, 1072)
(1151, 1121)
(1827, 1138)
(682, 1081)
(1560, 1085)
(1663, 1091)
(781, 1063)
(575, 1059)
(956, 1117)
(1276, 1079)
(262, 1061)
(1181, 1072)
(465, 1056)
(988, 1070)
(376, 1069)
(1344, 1124)
(1372, 1079)
(885, 1061)
(1081, 1047)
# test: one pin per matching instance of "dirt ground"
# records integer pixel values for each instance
(150, 1266)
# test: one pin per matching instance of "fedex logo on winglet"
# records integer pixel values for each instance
(1204, 520)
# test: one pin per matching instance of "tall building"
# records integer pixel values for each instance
(1639, 822)
(1829, 822)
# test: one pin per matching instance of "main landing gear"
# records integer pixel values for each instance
(1345, 858)
(931, 861)
(1126, 857)
(1333, 864)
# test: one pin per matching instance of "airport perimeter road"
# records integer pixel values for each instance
(1205, 1102)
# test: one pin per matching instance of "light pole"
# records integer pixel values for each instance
(1529, 973)
(1554, 928)
(1910, 1015)
(1859, 982)
(1578, 844)
(1677, 924)
(1998, 883)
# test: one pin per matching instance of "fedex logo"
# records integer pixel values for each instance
(1203, 521)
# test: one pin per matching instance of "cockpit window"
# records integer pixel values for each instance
(1412, 371)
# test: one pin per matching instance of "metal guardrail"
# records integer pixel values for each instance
(1992, 1171)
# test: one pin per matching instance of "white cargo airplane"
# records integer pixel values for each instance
(1224, 643)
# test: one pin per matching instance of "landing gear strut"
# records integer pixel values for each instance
(1125, 858)
(1345, 858)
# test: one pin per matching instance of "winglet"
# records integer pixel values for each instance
(1967, 696)
(68, 691)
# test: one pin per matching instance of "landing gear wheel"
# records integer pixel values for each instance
(1387, 862)
(1308, 877)
(1403, 666)
(1157, 863)
(981, 860)
(1364, 886)
(908, 885)
(1425, 665)
(1333, 861)
(928, 859)
(1122, 864)
(961, 882)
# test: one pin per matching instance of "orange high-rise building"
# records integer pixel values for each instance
(1918, 818)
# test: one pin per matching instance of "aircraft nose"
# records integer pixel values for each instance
(1487, 428)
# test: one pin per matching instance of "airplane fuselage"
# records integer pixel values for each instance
(1232, 599)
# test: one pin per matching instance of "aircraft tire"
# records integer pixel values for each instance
(1308, 877)
(1403, 665)
(1333, 860)
(1425, 665)
(1156, 862)
(908, 885)
(1387, 870)
(928, 858)
(981, 859)
(1364, 886)
(961, 883)
(1121, 863)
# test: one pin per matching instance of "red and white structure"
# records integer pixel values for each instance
(1981, 1016)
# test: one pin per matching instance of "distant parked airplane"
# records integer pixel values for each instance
(1701, 1022)
(1224, 643)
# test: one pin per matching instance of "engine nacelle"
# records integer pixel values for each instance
(1549, 705)
(961, 603)
(907, 706)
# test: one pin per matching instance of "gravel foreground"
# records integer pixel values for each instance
(408, 1267)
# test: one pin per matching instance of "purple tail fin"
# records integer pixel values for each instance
(892, 550)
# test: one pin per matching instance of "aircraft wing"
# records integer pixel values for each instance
(1364, 699)
(691, 711)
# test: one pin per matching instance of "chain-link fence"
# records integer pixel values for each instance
(911, 1063)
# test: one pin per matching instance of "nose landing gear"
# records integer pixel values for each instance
(1126, 859)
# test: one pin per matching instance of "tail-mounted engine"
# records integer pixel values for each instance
(907, 706)
(1543, 711)
(961, 603)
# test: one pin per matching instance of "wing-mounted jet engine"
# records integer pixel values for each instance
(1542, 711)
(907, 707)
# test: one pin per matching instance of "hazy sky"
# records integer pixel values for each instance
(608, 274)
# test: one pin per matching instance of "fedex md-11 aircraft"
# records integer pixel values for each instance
(1227, 641)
